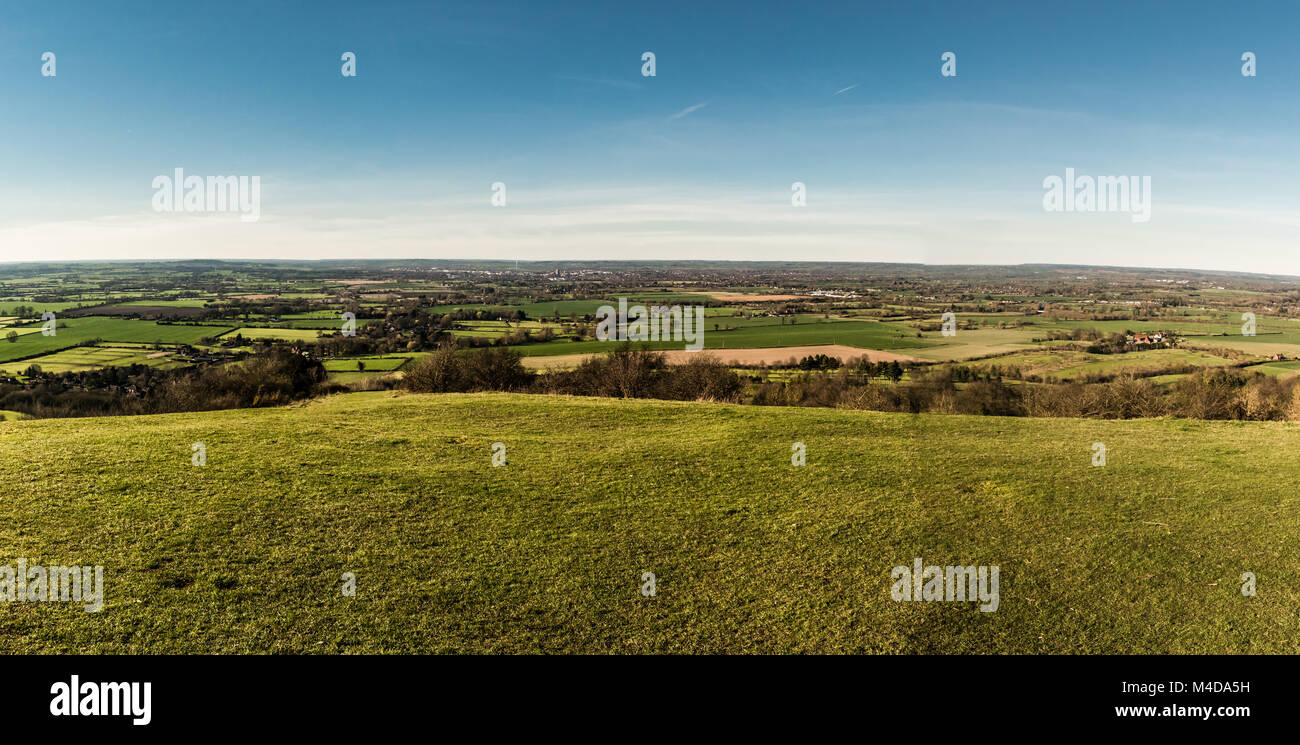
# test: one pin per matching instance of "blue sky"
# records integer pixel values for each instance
(900, 163)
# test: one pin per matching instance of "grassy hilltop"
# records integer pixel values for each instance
(545, 554)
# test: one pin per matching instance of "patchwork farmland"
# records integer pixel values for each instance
(1041, 326)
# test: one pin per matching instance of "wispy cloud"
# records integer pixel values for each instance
(842, 90)
(688, 110)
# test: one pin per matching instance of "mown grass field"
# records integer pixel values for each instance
(377, 364)
(7, 306)
(979, 342)
(546, 554)
(89, 358)
(284, 334)
(498, 329)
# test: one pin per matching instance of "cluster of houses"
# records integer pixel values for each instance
(1154, 338)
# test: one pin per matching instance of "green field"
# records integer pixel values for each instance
(546, 554)
(73, 331)
(814, 330)
(968, 343)
(564, 308)
(7, 306)
(376, 364)
(534, 311)
(89, 358)
(347, 378)
(498, 329)
(1280, 369)
(1073, 364)
(282, 334)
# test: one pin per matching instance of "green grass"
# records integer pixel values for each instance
(1072, 364)
(1205, 329)
(73, 331)
(89, 358)
(546, 553)
(968, 343)
(564, 308)
(373, 364)
(347, 378)
(1282, 369)
(535, 311)
(862, 334)
(498, 329)
(282, 334)
(325, 324)
(7, 306)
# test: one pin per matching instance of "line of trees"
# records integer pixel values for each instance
(281, 375)
(626, 372)
(274, 377)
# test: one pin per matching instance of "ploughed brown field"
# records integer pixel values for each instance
(735, 297)
(769, 355)
(143, 310)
